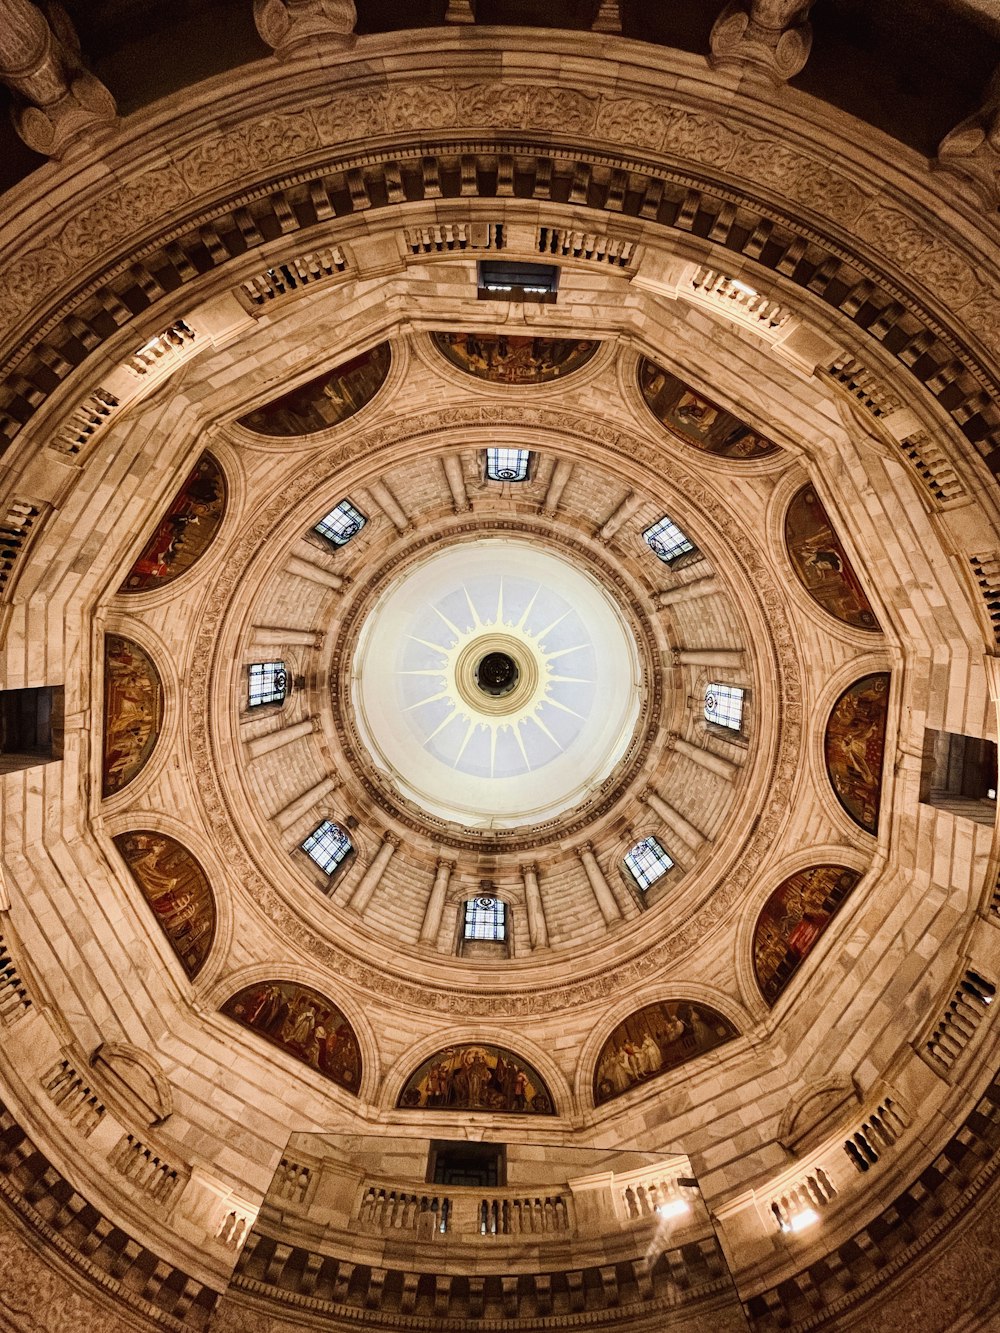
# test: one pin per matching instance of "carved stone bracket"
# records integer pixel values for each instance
(287, 24)
(60, 103)
(972, 149)
(771, 37)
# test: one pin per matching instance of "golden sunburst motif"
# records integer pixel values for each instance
(479, 688)
(537, 692)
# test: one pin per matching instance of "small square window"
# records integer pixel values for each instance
(485, 919)
(724, 706)
(647, 862)
(341, 524)
(328, 846)
(507, 464)
(666, 540)
(268, 683)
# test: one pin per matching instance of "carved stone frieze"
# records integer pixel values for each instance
(744, 857)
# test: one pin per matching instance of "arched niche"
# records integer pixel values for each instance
(821, 563)
(185, 532)
(133, 711)
(792, 920)
(303, 1023)
(177, 890)
(854, 747)
(325, 401)
(513, 359)
(655, 1040)
(476, 1076)
(695, 419)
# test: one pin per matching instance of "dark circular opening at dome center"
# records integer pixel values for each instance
(497, 674)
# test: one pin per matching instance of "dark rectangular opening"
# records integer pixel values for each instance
(959, 773)
(31, 727)
(500, 280)
(461, 1163)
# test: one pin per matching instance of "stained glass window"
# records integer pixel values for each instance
(268, 683)
(485, 919)
(647, 861)
(507, 464)
(328, 846)
(667, 541)
(341, 524)
(724, 705)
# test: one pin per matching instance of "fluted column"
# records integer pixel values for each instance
(771, 37)
(279, 636)
(455, 478)
(621, 516)
(538, 931)
(286, 24)
(435, 903)
(42, 64)
(306, 569)
(274, 740)
(688, 592)
(713, 763)
(294, 810)
(674, 820)
(369, 881)
(561, 474)
(602, 889)
(731, 659)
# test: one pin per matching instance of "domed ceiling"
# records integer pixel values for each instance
(521, 716)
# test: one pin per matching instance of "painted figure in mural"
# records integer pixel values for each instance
(325, 401)
(821, 564)
(476, 1078)
(176, 888)
(793, 919)
(305, 1024)
(653, 1041)
(854, 746)
(696, 419)
(133, 710)
(184, 532)
(512, 359)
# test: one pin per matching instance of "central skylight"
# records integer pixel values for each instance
(496, 683)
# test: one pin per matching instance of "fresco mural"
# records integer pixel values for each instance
(303, 1023)
(477, 1077)
(504, 358)
(655, 1040)
(793, 919)
(325, 401)
(821, 562)
(853, 747)
(133, 711)
(184, 532)
(697, 420)
(178, 891)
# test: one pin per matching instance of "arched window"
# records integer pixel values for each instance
(341, 524)
(485, 919)
(666, 540)
(507, 464)
(328, 846)
(267, 684)
(647, 862)
(724, 705)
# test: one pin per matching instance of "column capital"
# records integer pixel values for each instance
(771, 37)
(286, 24)
(445, 863)
(530, 868)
